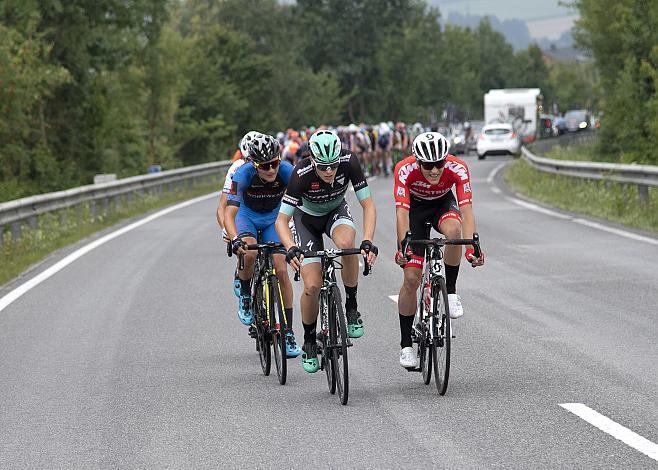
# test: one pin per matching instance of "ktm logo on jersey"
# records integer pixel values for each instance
(459, 169)
(404, 171)
(315, 185)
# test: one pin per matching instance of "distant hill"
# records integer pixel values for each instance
(515, 31)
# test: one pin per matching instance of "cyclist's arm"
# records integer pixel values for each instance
(229, 220)
(369, 218)
(401, 222)
(283, 229)
(221, 210)
(468, 221)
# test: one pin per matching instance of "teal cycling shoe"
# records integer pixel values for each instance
(310, 361)
(354, 324)
(244, 310)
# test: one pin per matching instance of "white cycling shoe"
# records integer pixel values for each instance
(408, 357)
(456, 309)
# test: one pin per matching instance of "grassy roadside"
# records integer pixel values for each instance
(57, 230)
(610, 201)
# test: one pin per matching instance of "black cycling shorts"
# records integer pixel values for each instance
(434, 212)
(309, 229)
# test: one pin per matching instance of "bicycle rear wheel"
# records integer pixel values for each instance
(440, 344)
(326, 345)
(278, 330)
(263, 338)
(338, 324)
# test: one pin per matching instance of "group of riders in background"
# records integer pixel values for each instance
(378, 146)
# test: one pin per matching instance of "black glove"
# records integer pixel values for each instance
(236, 244)
(293, 252)
(368, 247)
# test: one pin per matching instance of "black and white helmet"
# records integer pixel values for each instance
(430, 147)
(246, 141)
(264, 148)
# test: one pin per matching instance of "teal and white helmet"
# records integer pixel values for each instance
(325, 147)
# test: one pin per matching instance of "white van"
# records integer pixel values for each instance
(518, 106)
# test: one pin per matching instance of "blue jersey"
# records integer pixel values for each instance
(259, 196)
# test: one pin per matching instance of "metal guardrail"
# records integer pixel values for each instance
(641, 175)
(28, 209)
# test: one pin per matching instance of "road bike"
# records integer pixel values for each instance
(270, 322)
(432, 332)
(333, 325)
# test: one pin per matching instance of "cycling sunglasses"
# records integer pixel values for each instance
(268, 165)
(327, 166)
(427, 166)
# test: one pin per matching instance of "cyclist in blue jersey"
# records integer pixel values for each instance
(252, 207)
(315, 200)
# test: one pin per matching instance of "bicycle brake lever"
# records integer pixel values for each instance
(366, 267)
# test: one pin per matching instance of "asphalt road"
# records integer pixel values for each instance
(133, 357)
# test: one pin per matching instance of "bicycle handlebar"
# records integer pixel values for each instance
(474, 242)
(334, 253)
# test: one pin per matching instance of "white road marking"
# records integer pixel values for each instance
(616, 231)
(494, 172)
(588, 223)
(55, 268)
(394, 298)
(616, 430)
(536, 208)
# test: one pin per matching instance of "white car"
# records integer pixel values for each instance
(498, 139)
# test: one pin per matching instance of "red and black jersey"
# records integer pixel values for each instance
(411, 187)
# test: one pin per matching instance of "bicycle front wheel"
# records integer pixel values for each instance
(278, 330)
(338, 323)
(441, 340)
(263, 338)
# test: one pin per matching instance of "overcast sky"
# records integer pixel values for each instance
(545, 18)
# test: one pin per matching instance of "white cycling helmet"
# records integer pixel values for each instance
(246, 142)
(430, 147)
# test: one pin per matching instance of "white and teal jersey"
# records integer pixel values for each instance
(308, 192)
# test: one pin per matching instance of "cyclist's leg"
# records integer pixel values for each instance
(281, 267)
(308, 237)
(407, 300)
(448, 222)
(341, 229)
(247, 230)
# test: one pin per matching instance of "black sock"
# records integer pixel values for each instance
(309, 332)
(451, 278)
(244, 287)
(406, 324)
(350, 298)
(289, 318)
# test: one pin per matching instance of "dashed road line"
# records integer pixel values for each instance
(616, 430)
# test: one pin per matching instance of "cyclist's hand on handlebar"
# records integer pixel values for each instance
(400, 259)
(470, 257)
(294, 257)
(238, 246)
(370, 251)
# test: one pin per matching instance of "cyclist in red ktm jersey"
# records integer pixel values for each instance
(423, 193)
